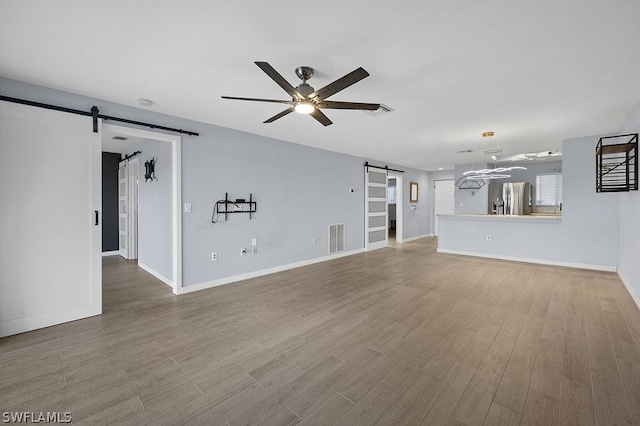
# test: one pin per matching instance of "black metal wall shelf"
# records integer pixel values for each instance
(223, 207)
(617, 164)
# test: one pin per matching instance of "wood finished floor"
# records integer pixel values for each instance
(397, 336)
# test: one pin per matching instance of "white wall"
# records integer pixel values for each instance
(629, 223)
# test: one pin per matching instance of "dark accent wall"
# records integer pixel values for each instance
(110, 201)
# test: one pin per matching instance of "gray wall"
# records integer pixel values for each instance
(471, 201)
(415, 216)
(155, 247)
(629, 221)
(110, 235)
(299, 190)
(587, 234)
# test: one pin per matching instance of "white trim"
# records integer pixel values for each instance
(111, 253)
(590, 266)
(156, 274)
(176, 186)
(635, 296)
(406, 240)
(268, 271)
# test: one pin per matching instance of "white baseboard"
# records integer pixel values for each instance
(110, 253)
(593, 267)
(156, 274)
(406, 240)
(22, 325)
(262, 272)
(634, 295)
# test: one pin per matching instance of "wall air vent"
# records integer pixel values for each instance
(336, 238)
(382, 110)
(120, 138)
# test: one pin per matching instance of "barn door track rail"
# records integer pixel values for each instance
(95, 114)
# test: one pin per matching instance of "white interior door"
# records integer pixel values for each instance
(123, 207)
(50, 193)
(133, 208)
(376, 230)
(444, 200)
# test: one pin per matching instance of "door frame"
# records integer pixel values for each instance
(134, 203)
(399, 204)
(176, 187)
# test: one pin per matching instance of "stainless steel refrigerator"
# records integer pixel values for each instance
(510, 198)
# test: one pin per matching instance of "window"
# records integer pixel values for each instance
(391, 195)
(549, 189)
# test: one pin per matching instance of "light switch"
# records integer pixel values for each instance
(187, 207)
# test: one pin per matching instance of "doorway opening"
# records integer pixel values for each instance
(141, 213)
(394, 207)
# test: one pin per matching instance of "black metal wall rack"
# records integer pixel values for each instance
(222, 206)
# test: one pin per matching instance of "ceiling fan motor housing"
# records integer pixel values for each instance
(305, 90)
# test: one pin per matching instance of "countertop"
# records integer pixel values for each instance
(505, 217)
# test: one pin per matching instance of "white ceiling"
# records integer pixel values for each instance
(533, 72)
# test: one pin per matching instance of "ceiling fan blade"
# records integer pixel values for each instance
(340, 84)
(275, 76)
(257, 100)
(347, 105)
(318, 115)
(279, 115)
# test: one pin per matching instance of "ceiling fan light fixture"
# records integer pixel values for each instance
(304, 107)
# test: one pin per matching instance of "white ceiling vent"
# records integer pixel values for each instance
(493, 151)
(382, 110)
(119, 138)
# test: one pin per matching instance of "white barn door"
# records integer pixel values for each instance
(50, 198)
(376, 229)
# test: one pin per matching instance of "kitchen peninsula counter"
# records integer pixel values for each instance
(529, 238)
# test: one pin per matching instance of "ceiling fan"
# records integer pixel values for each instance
(305, 99)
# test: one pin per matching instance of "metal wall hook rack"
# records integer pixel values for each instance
(223, 207)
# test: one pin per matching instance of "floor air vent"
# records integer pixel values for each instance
(336, 238)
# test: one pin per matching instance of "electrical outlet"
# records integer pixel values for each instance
(243, 251)
(214, 256)
(488, 237)
(187, 207)
(254, 241)
(255, 250)
(315, 241)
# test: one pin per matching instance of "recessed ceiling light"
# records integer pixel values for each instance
(440, 168)
(145, 102)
